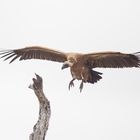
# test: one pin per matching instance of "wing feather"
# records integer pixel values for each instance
(112, 60)
(14, 58)
(6, 54)
(34, 52)
(9, 56)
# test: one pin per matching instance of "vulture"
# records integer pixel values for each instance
(81, 65)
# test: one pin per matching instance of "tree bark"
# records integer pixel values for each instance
(41, 127)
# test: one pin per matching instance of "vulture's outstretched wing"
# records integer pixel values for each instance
(34, 52)
(112, 60)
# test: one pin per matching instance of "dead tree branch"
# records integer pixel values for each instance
(41, 127)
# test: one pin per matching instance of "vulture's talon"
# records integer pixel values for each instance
(81, 86)
(71, 84)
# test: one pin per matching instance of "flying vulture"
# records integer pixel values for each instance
(81, 65)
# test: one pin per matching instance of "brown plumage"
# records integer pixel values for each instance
(81, 65)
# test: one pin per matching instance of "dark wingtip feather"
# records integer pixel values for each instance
(137, 54)
(7, 54)
(5, 51)
(13, 59)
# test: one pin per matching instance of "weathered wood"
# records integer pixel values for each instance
(41, 127)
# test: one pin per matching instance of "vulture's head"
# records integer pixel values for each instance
(67, 64)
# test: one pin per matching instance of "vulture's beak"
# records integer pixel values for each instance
(65, 65)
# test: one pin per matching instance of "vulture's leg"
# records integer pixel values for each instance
(81, 86)
(71, 84)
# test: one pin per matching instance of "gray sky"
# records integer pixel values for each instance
(107, 110)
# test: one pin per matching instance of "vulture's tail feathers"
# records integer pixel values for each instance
(96, 76)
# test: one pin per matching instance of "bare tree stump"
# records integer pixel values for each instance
(41, 127)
